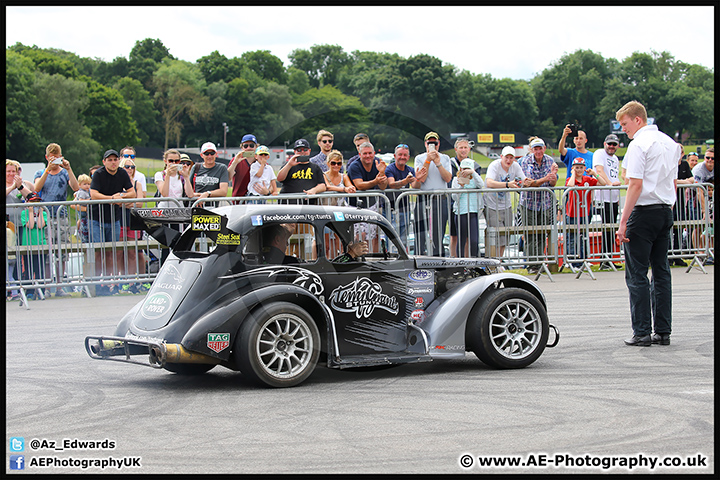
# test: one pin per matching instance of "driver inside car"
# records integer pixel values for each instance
(275, 241)
(354, 250)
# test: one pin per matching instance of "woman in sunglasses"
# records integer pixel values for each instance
(135, 257)
(335, 180)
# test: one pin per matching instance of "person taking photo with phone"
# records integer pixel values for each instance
(298, 175)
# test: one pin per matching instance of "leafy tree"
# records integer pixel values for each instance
(322, 63)
(571, 89)
(109, 73)
(59, 103)
(151, 48)
(142, 110)
(145, 57)
(178, 87)
(217, 67)
(47, 61)
(266, 65)
(22, 122)
(108, 116)
(326, 107)
(298, 81)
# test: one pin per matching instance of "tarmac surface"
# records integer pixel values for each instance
(589, 405)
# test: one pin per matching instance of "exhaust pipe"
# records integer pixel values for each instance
(176, 353)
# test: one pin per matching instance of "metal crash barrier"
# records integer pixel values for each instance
(498, 223)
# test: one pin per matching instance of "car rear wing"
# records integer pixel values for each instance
(156, 222)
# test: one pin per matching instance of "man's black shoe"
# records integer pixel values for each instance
(661, 338)
(637, 341)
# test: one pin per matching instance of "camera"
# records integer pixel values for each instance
(573, 130)
(250, 154)
(58, 161)
(303, 158)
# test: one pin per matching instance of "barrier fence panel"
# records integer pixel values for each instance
(528, 227)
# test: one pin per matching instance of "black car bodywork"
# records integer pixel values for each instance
(216, 301)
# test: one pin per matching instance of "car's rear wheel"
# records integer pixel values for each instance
(278, 345)
(509, 328)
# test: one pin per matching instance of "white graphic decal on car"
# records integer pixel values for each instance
(362, 296)
(305, 278)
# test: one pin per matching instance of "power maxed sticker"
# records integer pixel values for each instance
(206, 223)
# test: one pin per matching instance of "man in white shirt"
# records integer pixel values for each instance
(432, 172)
(607, 166)
(645, 225)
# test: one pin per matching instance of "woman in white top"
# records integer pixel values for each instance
(169, 182)
(335, 180)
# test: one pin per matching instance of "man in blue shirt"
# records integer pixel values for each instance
(568, 155)
(400, 176)
(51, 184)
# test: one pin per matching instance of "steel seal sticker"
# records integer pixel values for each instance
(217, 342)
(228, 239)
(362, 297)
(156, 305)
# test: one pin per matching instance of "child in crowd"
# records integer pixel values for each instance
(469, 206)
(34, 220)
(262, 177)
(11, 259)
(83, 194)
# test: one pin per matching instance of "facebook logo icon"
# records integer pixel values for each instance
(17, 462)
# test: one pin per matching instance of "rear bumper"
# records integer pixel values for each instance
(143, 352)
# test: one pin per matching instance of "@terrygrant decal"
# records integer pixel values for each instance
(362, 296)
(156, 305)
(217, 342)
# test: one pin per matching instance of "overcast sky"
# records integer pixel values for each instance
(516, 42)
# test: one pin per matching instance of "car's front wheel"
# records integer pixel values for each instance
(278, 345)
(509, 328)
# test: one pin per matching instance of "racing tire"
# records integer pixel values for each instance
(278, 345)
(188, 368)
(508, 328)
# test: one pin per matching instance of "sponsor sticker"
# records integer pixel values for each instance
(419, 291)
(156, 305)
(419, 302)
(206, 223)
(417, 316)
(421, 275)
(339, 217)
(228, 239)
(217, 342)
(362, 297)
(256, 220)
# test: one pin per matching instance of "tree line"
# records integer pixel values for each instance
(153, 99)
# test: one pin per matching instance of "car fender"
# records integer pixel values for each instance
(227, 318)
(446, 317)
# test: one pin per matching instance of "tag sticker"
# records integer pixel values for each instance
(217, 342)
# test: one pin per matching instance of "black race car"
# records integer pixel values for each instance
(271, 290)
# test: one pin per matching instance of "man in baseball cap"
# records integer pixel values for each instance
(612, 138)
(299, 175)
(430, 135)
(207, 179)
(208, 147)
(301, 145)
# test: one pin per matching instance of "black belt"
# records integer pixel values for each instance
(654, 206)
